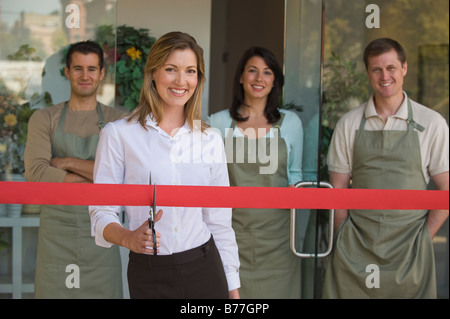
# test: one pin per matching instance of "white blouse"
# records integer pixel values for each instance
(127, 154)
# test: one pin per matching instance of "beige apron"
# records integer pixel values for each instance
(398, 242)
(65, 238)
(268, 268)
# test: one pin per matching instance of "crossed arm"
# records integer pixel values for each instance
(78, 170)
(39, 164)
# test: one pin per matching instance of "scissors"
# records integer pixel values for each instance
(151, 219)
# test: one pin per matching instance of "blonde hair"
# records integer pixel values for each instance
(149, 99)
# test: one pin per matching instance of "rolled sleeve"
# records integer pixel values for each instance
(100, 218)
(108, 169)
(233, 280)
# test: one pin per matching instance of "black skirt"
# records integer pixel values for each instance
(193, 274)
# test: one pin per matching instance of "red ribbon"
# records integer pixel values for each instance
(216, 196)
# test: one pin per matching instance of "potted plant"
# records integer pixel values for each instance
(14, 117)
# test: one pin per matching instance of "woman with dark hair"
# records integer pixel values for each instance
(271, 111)
(263, 145)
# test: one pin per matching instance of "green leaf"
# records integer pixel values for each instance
(137, 84)
(121, 67)
(137, 74)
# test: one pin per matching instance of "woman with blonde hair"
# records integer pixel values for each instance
(197, 252)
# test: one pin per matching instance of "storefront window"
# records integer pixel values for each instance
(34, 36)
(33, 41)
(421, 27)
(351, 25)
(325, 73)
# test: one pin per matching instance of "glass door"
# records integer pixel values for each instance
(325, 74)
(303, 72)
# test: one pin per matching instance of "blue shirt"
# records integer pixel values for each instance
(291, 131)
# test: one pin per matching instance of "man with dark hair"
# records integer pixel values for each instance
(61, 146)
(85, 47)
(384, 45)
(390, 142)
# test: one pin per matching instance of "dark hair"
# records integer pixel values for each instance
(383, 45)
(271, 111)
(85, 47)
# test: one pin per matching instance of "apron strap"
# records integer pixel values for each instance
(101, 122)
(62, 118)
(230, 132)
(279, 122)
(363, 122)
(411, 123)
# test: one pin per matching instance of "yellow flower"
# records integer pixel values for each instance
(133, 53)
(10, 119)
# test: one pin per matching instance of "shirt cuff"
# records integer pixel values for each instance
(100, 227)
(233, 280)
(337, 169)
(294, 179)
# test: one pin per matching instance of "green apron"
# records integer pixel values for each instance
(398, 242)
(65, 238)
(268, 268)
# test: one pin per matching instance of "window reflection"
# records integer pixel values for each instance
(422, 28)
(33, 39)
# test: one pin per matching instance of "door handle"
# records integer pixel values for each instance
(330, 230)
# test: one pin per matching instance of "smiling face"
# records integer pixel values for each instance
(176, 80)
(386, 74)
(84, 74)
(257, 79)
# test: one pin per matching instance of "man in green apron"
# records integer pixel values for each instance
(61, 146)
(390, 142)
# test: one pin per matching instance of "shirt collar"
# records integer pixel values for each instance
(402, 112)
(152, 123)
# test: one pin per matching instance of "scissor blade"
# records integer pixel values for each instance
(152, 207)
(154, 201)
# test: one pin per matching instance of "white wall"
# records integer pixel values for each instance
(162, 16)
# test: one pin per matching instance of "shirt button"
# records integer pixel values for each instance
(175, 229)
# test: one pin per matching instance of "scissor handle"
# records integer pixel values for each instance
(151, 225)
(155, 249)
